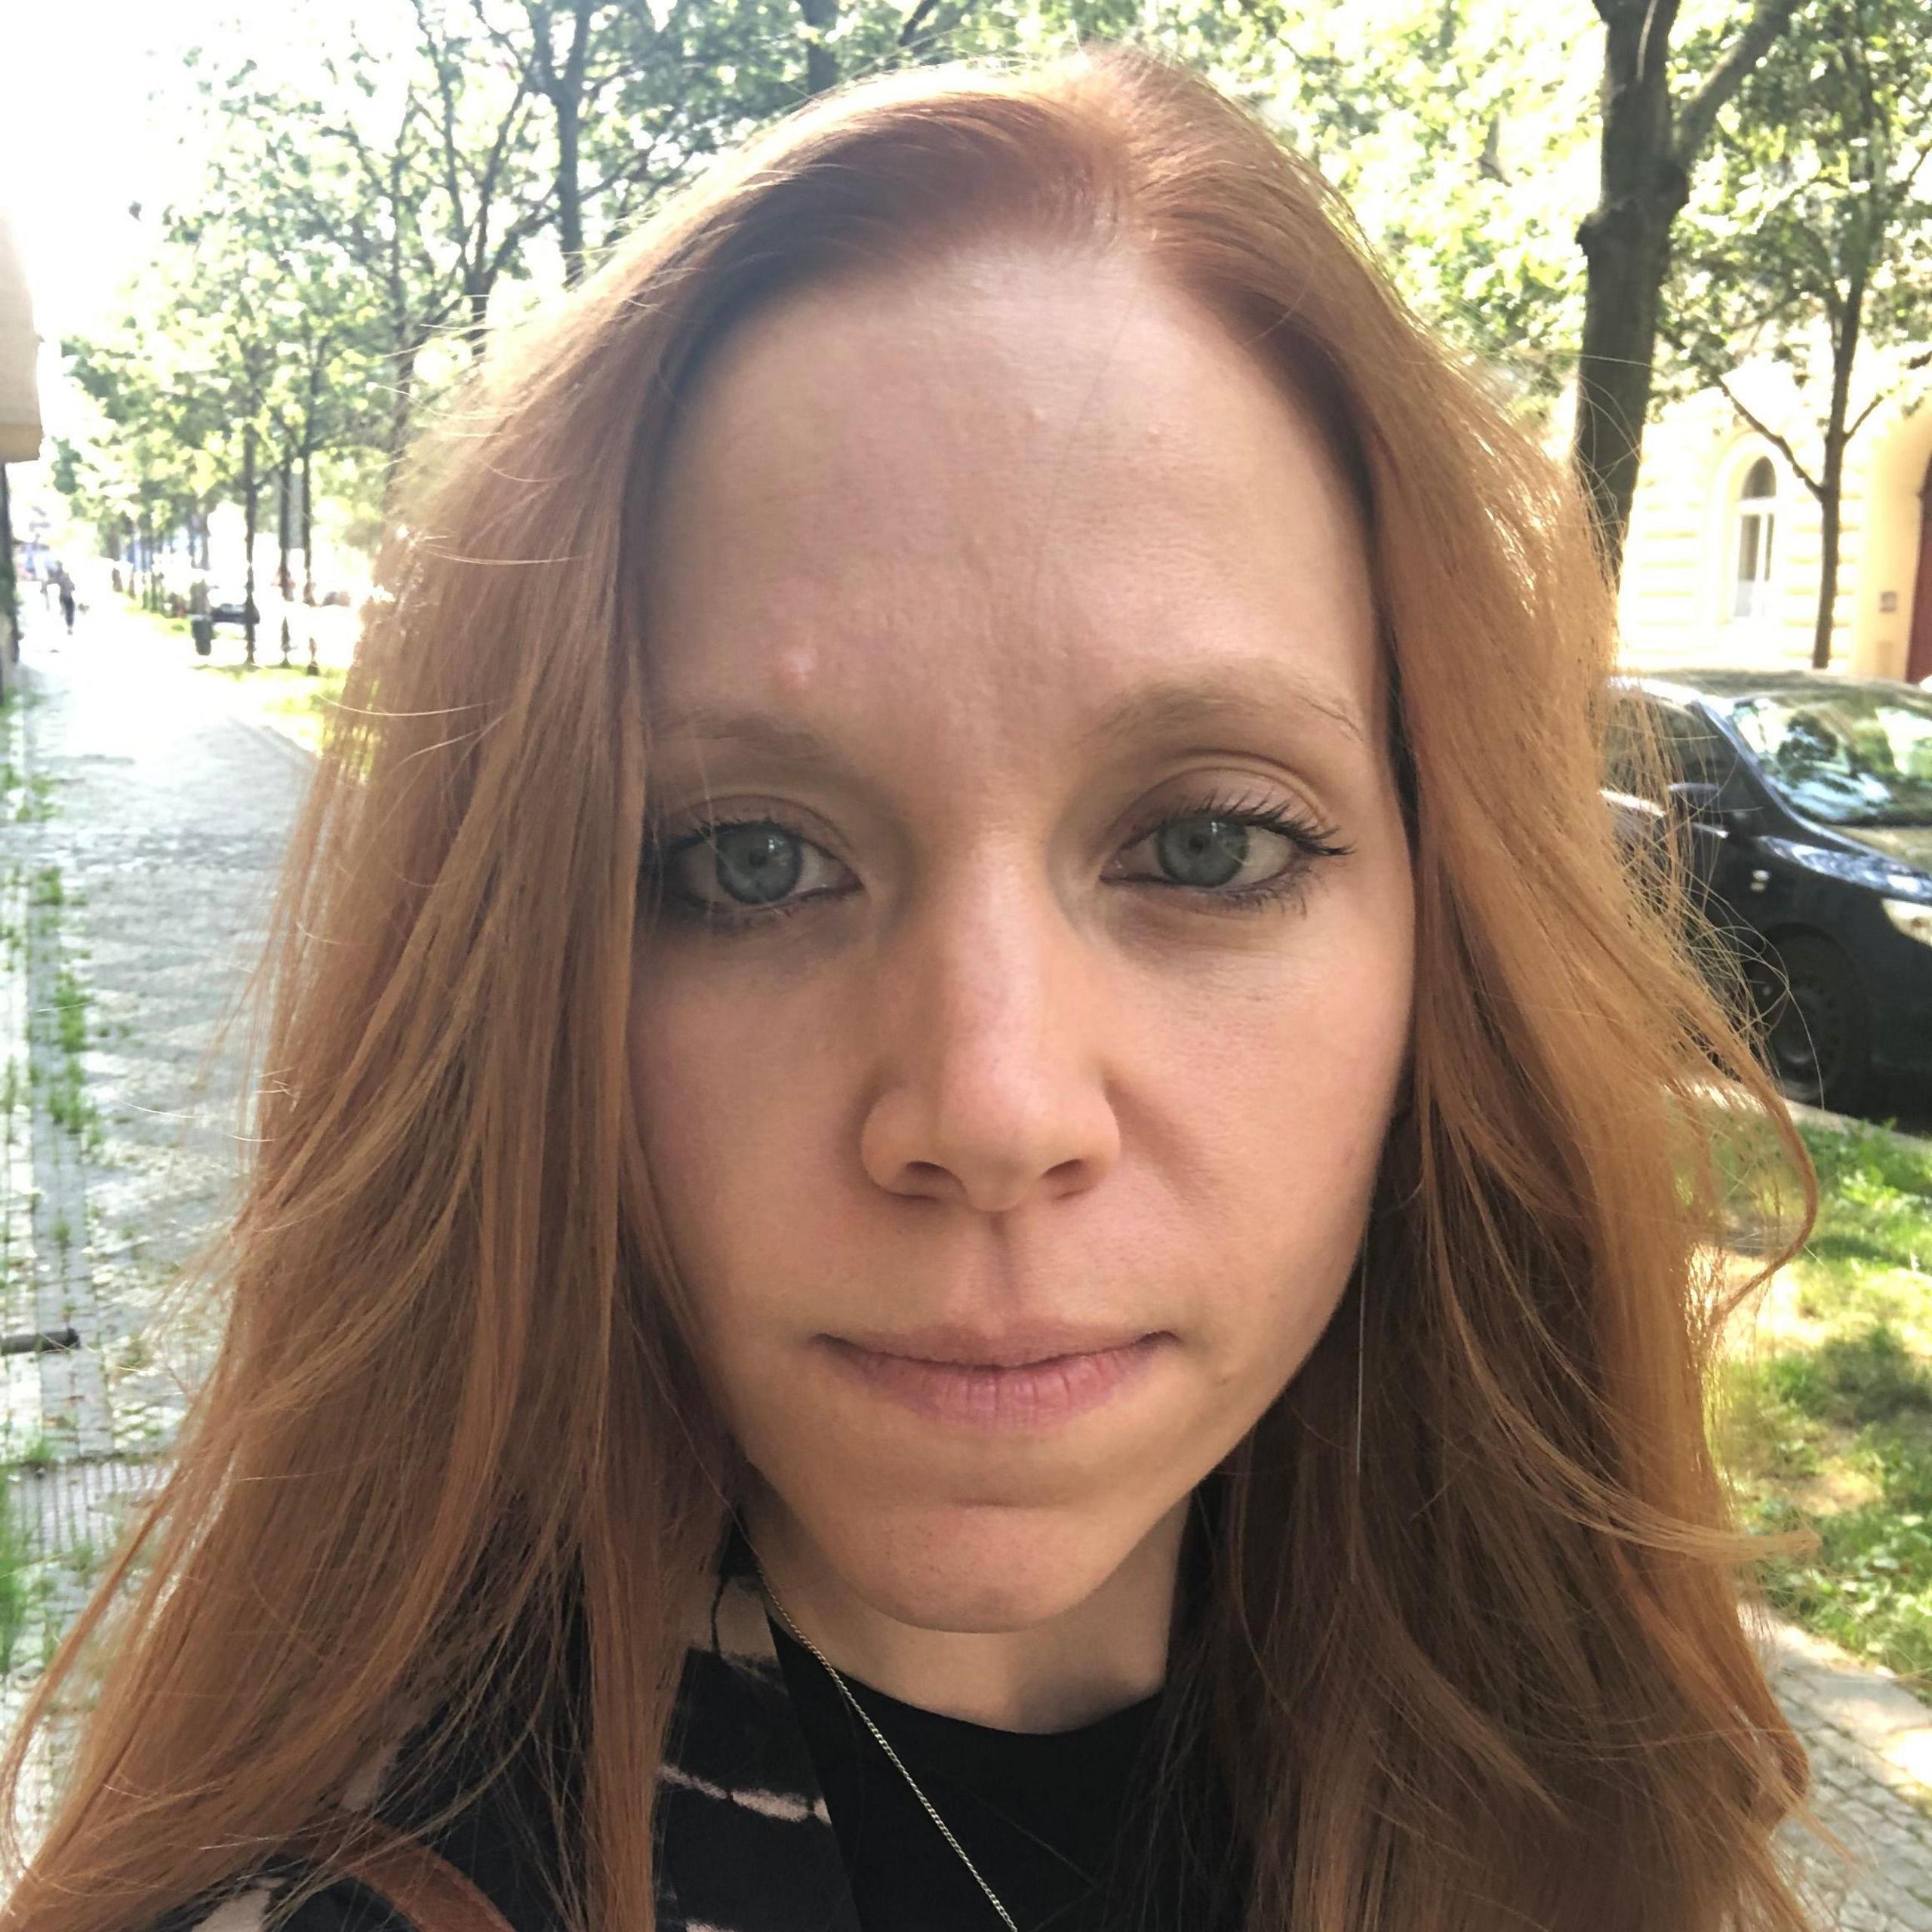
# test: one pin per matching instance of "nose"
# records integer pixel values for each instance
(990, 1030)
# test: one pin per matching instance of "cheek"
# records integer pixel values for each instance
(731, 1113)
(1277, 1110)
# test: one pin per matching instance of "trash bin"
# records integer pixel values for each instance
(202, 625)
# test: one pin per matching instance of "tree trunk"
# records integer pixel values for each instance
(1649, 146)
(1830, 501)
(406, 338)
(570, 189)
(821, 62)
(1851, 324)
(402, 383)
(251, 509)
(565, 90)
(476, 306)
(308, 518)
(284, 580)
(1626, 240)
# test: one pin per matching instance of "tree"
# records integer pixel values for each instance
(248, 350)
(1814, 243)
(634, 98)
(1453, 136)
(388, 192)
(1651, 142)
(149, 472)
(281, 236)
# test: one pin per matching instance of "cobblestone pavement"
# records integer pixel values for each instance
(1871, 1747)
(142, 816)
(141, 819)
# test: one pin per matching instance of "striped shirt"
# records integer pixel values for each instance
(738, 1800)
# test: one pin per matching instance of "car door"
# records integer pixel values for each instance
(1695, 755)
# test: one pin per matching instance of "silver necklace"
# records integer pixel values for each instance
(865, 1718)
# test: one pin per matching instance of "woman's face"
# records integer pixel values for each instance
(1013, 1060)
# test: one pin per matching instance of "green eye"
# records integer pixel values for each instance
(737, 874)
(1216, 847)
(755, 864)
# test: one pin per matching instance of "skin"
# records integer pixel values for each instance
(1009, 1061)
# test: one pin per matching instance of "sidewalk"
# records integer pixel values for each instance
(1871, 1747)
(143, 814)
(140, 823)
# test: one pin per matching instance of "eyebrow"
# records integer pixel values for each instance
(1229, 696)
(1166, 705)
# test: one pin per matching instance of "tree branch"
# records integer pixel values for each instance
(1771, 436)
(1865, 414)
(914, 20)
(1698, 114)
(1911, 177)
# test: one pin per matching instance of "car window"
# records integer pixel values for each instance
(1623, 770)
(1695, 748)
(1861, 755)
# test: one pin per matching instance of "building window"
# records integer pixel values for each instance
(1757, 525)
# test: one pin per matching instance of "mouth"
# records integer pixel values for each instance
(1019, 1381)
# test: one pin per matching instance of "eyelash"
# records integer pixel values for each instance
(1313, 842)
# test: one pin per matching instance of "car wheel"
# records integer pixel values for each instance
(1816, 1027)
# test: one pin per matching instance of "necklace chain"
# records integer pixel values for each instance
(879, 1736)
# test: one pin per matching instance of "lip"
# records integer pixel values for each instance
(1024, 1380)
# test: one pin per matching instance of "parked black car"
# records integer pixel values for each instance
(1804, 800)
(230, 610)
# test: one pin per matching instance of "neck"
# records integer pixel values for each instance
(1106, 1652)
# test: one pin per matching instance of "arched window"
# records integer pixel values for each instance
(1757, 525)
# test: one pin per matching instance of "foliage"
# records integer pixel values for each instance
(1462, 145)
(391, 185)
(16, 1562)
(1657, 106)
(387, 185)
(1811, 243)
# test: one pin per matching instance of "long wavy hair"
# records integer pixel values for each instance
(1472, 1654)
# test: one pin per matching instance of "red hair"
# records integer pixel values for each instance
(1472, 1656)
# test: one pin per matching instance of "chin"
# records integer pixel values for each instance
(981, 1567)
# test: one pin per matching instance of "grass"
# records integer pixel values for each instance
(37, 805)
(70, 1011)
(69, 1104)
(1824, 1416)
(15, 1592)
(169, 627)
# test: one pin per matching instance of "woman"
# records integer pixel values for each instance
(977, 1195)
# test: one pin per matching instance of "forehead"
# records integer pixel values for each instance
(1009, 486)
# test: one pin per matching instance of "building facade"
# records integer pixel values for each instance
(1722, 563)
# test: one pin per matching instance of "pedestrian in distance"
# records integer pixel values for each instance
(67, 602)
(975, 1203)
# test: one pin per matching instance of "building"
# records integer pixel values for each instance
(20, 420)
(1722, 563)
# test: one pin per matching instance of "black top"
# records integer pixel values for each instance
(777, 1812)
(1055, 1822)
